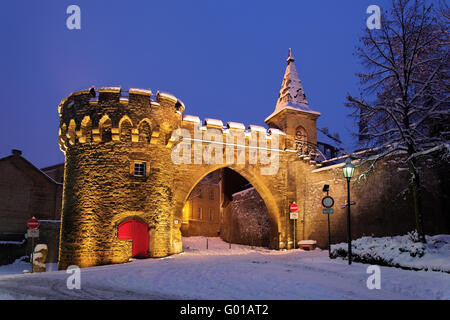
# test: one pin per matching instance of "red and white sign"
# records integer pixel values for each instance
(294, 207)
(33, 223)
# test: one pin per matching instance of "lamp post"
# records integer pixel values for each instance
(348, 170)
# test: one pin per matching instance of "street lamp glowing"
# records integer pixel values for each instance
(348, 169)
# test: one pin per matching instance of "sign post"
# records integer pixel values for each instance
(328, 203)
(32, 232)
(294, 216)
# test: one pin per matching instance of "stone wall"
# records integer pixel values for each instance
(383, 203)
(246, 220)
(103, 138)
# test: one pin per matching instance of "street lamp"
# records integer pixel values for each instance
(348, 171)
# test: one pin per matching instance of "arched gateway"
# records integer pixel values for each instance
(132, 159)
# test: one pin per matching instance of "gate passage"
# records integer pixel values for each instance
(138, 232)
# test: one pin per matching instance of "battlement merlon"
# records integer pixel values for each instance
(116, 94)
(233, 131)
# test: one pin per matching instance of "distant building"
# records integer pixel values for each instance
(202, 212)
(56, 172)
(26, 192)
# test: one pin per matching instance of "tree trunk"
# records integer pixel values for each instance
(417, 199)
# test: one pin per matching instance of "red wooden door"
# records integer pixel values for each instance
(138, 232)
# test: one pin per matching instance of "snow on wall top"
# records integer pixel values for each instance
(213, 123)
(166, 95)
(190, 118)
(140, 91)
(235, 125)
(109, 89)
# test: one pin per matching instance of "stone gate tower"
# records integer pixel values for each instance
(123, 193)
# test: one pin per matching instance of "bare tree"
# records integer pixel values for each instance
(403, 106)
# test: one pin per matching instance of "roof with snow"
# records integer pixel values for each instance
(292, 95)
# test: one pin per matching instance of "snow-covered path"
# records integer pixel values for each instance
(239, 273)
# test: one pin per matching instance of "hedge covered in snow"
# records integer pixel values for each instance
(400, 251)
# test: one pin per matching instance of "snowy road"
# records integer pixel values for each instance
(221, 273)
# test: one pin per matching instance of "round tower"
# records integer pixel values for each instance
(117, 198)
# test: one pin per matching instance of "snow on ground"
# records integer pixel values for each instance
(236, 273)
(401, 251)
(18, 267)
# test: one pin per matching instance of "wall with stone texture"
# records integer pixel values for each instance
(246, 220)
(383, 204)
(102, 138)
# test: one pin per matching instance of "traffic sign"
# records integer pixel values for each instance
(294, 215)
(345, 205)
(328, 211)
(33, 233)
(294, 207)
(327, 202)
(33, 223)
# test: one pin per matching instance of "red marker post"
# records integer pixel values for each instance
(294, 216)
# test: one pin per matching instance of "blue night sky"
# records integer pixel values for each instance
(224, 59)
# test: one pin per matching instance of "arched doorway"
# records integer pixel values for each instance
(225, 204)
(138, 232)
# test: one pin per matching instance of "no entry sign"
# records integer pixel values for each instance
(33, 223)
(294, 207)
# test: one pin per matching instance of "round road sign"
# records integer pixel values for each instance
(328, 202)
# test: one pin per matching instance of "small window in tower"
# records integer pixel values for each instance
(139, 169)
(211, 214)
(211, 194)
(199, 213)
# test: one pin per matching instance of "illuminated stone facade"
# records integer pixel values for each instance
(118, 147)
(104, 137)
(202, 210)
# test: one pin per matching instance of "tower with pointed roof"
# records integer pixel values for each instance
(292, 112)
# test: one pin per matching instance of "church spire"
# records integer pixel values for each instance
(291, 92)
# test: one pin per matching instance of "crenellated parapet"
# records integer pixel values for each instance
(236, 133)
(112, 114)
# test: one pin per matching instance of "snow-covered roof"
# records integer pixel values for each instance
(292, 95)
(321, 137)
(288, 107)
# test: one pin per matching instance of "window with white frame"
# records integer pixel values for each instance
(139, 169)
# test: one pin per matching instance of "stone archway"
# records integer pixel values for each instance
(191, 179)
